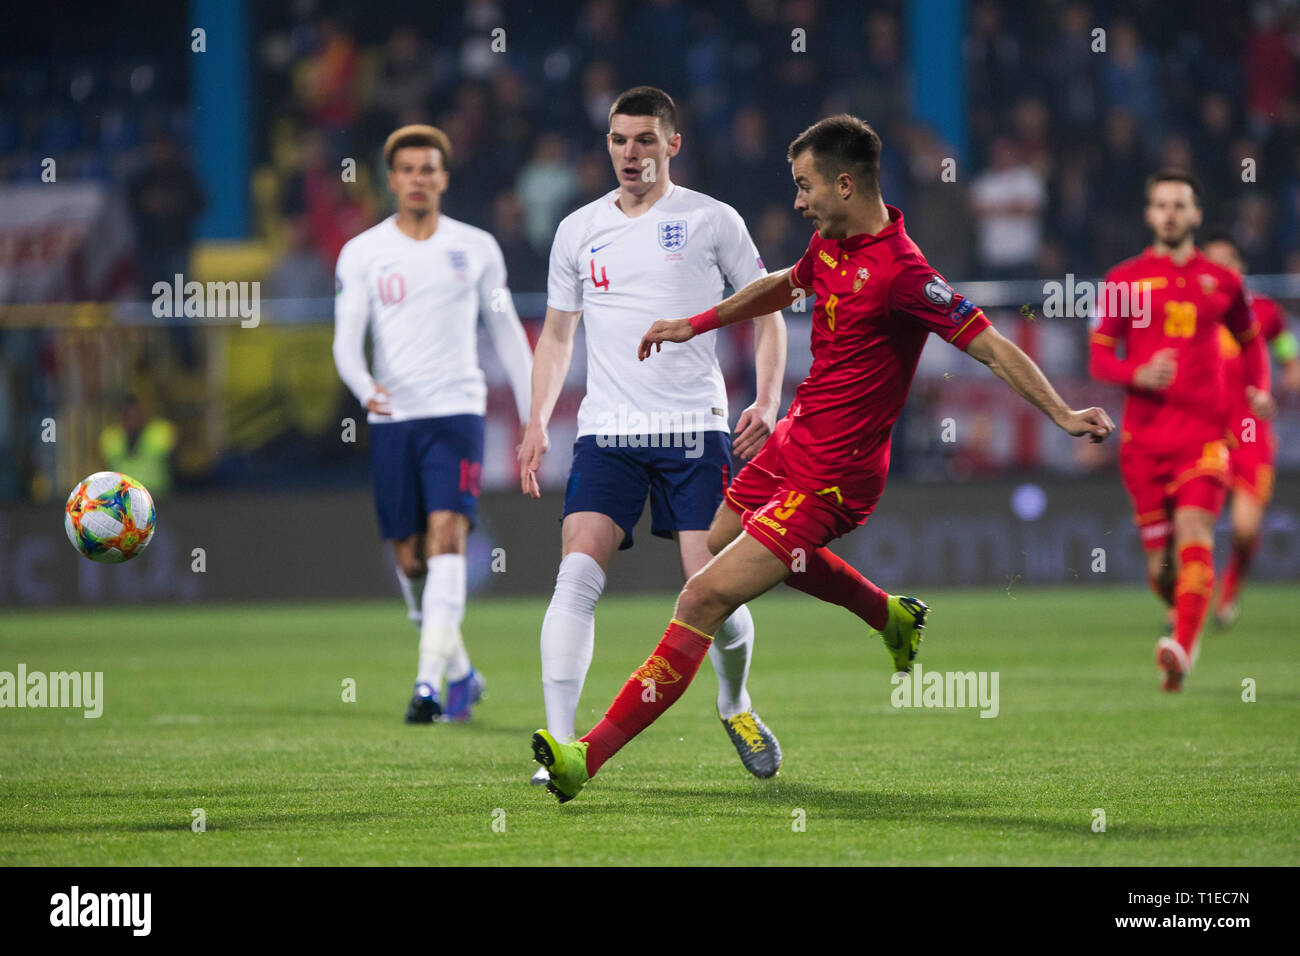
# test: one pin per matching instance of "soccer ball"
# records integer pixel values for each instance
(109, 517)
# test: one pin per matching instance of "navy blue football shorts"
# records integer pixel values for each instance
(613, 474)
(424, 465)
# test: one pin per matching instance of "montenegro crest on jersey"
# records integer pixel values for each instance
(672, 234)
(862, 276)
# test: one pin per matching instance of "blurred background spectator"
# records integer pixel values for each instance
(549, 183)
(300, 272)
(165, 201)
(527, 265)
(1008, 200)
(140, 445)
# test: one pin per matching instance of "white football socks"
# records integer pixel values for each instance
(412, 594)
(730, 653)
(568, 638)
(441, 647)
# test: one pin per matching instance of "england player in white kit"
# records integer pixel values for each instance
(420, 281)
(647, 249)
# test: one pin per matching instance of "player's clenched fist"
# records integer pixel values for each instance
(1093, 422)
(381, 402)
(531, 449)
(1157, 374)
(665, 330)
(755, 426)
(1262, 404)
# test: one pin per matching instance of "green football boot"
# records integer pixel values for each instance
(566, 763)
(902, 633)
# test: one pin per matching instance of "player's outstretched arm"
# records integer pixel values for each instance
(550, 366)
(771, 293)
(1018, 370)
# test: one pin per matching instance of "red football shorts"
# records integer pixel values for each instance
(1159, 482)
(1251, 463)
(789, 519)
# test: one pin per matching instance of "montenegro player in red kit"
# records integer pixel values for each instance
(1253, 448)
(1174, 437)
(823, 469)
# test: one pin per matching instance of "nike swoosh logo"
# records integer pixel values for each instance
(598, 248)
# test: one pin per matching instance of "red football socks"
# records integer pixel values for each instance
(1238, 565)
(1192, 593)
(653, 688)
(830, 578)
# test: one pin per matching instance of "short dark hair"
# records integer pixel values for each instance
(417, 134)
(1171, 175)
(841, 144)
(647, 101)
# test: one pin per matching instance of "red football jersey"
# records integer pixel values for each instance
(877, 301)
(1182, 308)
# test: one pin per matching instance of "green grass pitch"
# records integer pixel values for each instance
(239, 711)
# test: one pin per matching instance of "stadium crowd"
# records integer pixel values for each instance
(1069, 105)
(1064, 122)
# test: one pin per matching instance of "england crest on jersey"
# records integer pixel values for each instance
(672, 234)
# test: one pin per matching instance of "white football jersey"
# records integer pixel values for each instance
(422, 299)
(623, 274)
